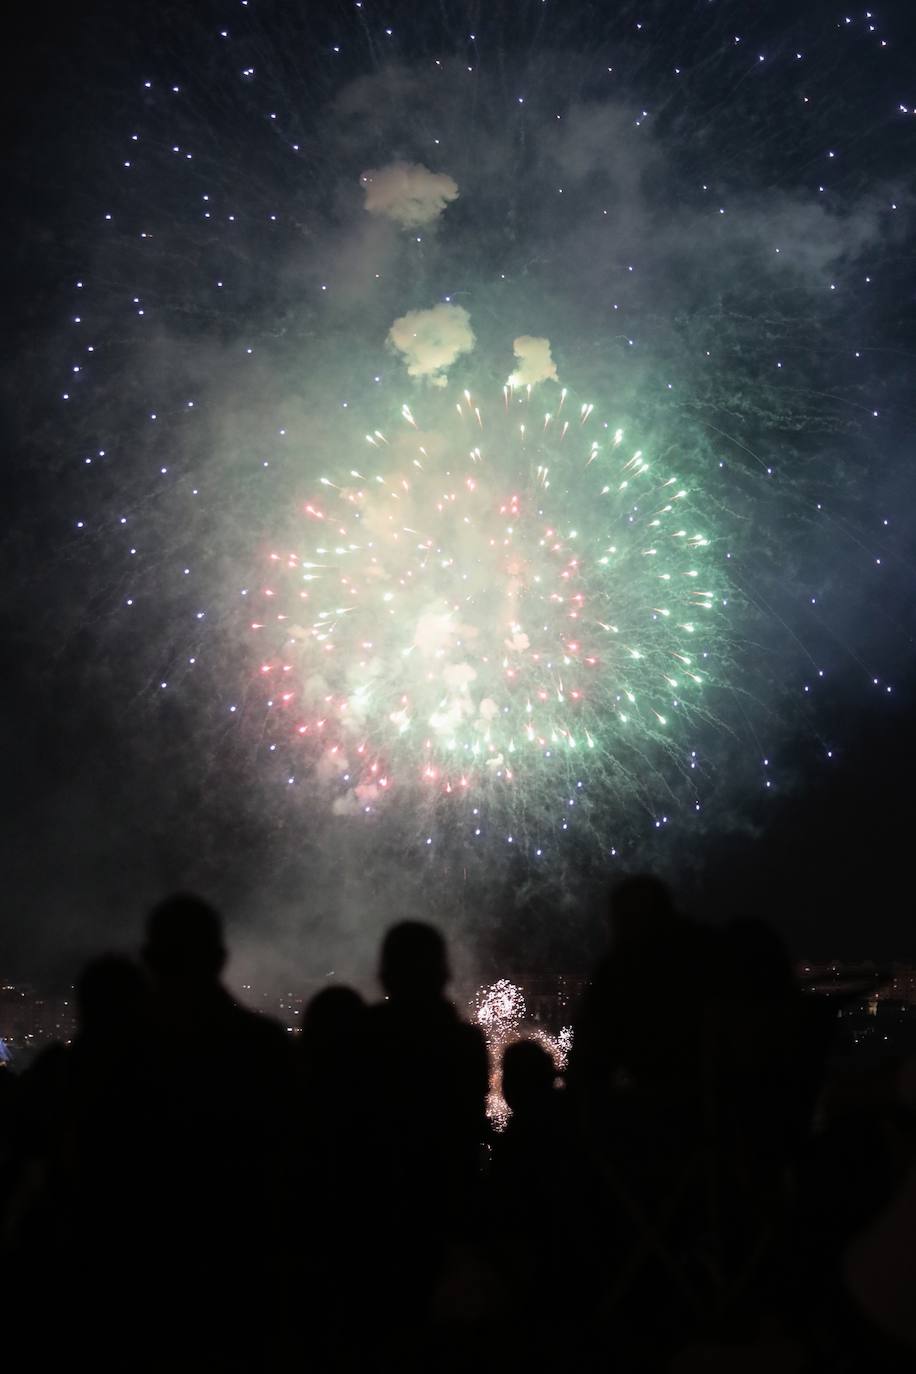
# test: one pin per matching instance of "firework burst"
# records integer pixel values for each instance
(499, 602)
(492, 622)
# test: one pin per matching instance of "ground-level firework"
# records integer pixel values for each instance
(500, 1010)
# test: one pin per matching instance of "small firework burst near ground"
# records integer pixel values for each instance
(499, 1009)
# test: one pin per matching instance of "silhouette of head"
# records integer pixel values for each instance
(758, 958)
(639, 907)
(414, 962)
(528, 1076)
(332, 1013)
(111, 995)
(184, 940)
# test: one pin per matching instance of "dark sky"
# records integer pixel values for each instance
(93, 831)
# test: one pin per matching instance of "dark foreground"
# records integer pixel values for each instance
(186, 1187)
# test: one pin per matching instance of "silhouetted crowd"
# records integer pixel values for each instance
(188, 1187)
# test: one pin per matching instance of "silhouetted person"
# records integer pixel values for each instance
(529, 1155)
(86, 1119)
(74, 1100)
(223, 1098)
(185, 954)
(770, 1040)
(9, 1085)
(429, 1080)
(333, 1076)
(431, 1067)
(529, 1077)
(536, 1212)
(333, 1023)
(109, 1060)
(332, 1071)
(332, 1191)
(112, 1000)
(637, 1076)
(761, 1064)
(640, 1023)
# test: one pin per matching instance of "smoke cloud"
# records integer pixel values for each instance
(431, 340)
(535, 363)
(408, 193)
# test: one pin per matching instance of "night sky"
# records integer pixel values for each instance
(244, 267)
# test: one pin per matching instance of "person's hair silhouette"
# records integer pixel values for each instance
(111, 996)
(640, 907)
(528, 1074)
(414, 962)
(333, 1012)
(184, 940)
